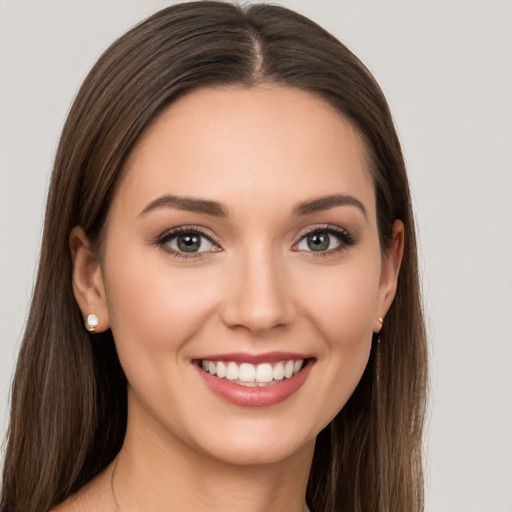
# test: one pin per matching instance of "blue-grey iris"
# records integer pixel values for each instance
(318, 241)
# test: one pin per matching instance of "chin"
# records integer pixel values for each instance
(248, 452)
(269, 438)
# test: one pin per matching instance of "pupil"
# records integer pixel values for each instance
(318, 241)
(189, 243)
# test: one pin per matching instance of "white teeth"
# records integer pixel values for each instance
(264, 373)
(279, 371)
(288, 369)
(232, 371)
(221, 370)
(247, 372)
(253, 375)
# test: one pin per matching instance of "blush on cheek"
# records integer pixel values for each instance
(346, 315)
(160, 307)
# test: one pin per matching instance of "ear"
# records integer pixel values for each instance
(391, 262)
(88, 286)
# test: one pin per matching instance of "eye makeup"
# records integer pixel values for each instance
(192, 242)
(319, 240)
(186, 242)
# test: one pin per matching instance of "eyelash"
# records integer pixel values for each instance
(169, 235)
(345, 238)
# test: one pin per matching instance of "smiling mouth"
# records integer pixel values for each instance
(253, 375)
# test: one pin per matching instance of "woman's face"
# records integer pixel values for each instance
(243, 236)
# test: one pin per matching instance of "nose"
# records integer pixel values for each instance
(259, 297)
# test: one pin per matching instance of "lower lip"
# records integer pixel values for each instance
(256, 396)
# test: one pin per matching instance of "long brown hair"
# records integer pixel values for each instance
(69, 406)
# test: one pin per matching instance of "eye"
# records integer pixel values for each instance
(190, 242)
(318, 241)
(325, 240)
(184, 242)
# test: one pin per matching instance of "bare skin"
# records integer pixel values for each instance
(105, 493)
(280, 268)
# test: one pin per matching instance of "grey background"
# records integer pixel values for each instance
(446, 68)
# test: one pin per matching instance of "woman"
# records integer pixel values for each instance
(229, 215)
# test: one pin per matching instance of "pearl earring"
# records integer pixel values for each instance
(381, 320)
(91, 322)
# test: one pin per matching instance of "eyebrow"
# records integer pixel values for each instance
(216, 209)
(188, 204)
(327, 202)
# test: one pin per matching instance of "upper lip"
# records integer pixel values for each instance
(246, 357)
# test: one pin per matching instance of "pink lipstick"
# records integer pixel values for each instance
(254, 380)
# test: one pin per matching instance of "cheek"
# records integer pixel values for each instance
(343, 304)
(154, 306)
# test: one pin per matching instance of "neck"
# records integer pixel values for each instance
(153, 476)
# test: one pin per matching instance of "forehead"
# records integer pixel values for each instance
(239, 144)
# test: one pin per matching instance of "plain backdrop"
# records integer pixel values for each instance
(446, 68)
